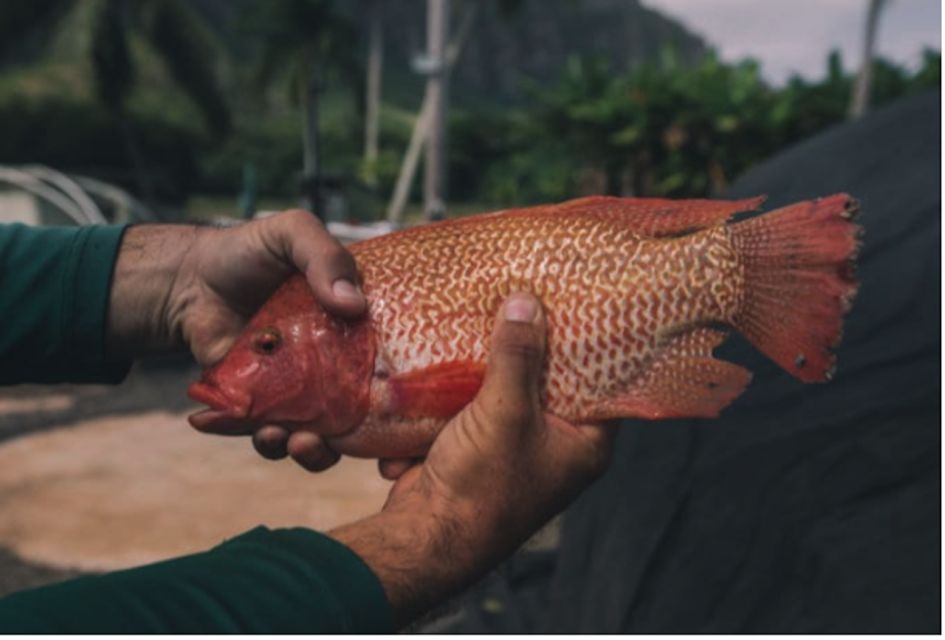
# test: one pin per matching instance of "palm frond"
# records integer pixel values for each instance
(112, 65)
(26, 27)
(176, 33)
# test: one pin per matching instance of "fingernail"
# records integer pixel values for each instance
(345, 289)
(520, 308)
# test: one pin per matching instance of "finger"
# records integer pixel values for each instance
(584, 449)
(599, 435)
(510, 388)
(393, 468)
(311, 451)
(271, 442)
(219, 423)
(213, 330)
(329, 268)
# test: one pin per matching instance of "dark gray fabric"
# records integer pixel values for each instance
(805, 508)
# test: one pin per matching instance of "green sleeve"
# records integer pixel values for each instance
(54, 284)
(264, 581)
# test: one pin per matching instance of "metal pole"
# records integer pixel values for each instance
(434, 179)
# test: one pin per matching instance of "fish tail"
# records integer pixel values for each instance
(798, 282)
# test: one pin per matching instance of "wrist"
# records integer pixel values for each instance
(147, 295)
(421, 554)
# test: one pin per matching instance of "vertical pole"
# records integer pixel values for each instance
(864, 79)
(372, 110)
(434, 182)
(311, 178)
(418, 137)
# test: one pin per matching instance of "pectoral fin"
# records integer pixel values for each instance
(437, 391)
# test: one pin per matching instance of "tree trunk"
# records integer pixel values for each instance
(142, 175)
(311, 175)
(375, 63)
(434, 183)
(864, 79)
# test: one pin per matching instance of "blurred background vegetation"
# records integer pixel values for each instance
(192, 104)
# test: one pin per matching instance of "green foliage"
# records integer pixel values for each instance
(26, 27)
(146, 74)
(81, 137)
(658, 130)
(507, 158)
(930, 75)
(293, 33)
(111, 60)
(177, 35)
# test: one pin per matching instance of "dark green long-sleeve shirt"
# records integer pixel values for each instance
(54, 285)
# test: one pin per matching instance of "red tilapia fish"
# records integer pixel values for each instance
(637, 294)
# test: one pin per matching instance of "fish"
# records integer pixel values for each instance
(637, 293)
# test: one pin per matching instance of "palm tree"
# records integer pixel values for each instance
(177, 35)
(170, 27)
(305, 36)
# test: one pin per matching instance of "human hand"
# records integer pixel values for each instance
(495, 474)
(177, 286)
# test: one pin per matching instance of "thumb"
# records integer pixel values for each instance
(329, 268)
(510, 390)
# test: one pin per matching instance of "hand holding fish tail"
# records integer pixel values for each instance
(495, 474)
(180, 286)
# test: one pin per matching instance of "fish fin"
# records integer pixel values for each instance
(683, 381)
(798, 282)
(656, 217)
(438, 391)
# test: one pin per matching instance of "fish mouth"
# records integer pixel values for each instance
(231, 405)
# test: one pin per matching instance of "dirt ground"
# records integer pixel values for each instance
(98, 478)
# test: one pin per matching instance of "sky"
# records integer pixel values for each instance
(789, 36)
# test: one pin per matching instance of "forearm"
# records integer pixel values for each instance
(423, 554)
(404, 561)
(146, 295)
(281, 581)
(54, 288)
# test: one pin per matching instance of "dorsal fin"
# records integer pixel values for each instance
(658, 217)
(646, 217)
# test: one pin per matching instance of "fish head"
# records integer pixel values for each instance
(293, 365)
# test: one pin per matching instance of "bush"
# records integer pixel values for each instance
(658, 130)
(77, 136)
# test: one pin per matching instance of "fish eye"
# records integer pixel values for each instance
(267, 341)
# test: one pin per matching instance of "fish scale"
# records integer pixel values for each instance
(636, 293)
(586, 269)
